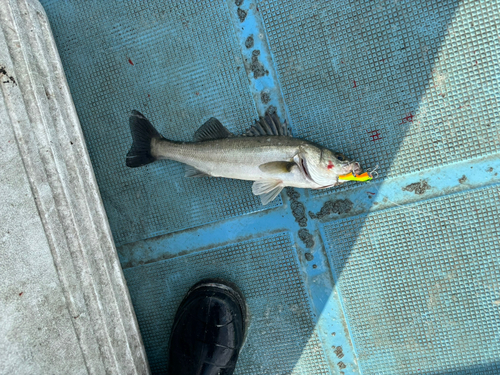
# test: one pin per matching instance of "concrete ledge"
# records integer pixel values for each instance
(49, 168)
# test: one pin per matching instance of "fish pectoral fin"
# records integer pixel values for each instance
(277, 167)
(193, 172)
(212, 129)
(267, 189)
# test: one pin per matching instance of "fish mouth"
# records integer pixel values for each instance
(355, 168)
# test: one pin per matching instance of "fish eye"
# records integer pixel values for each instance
(340, 157)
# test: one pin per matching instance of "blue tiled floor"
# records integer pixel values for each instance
(398, 276)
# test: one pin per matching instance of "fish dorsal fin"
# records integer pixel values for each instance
(212, 129)
(277, 167)
(269, 125)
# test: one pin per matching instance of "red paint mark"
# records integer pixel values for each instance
(383, 60)
(374, 135)
(257, 9)
(476, 62)
(130, 62)
(355, 85)
(369, 192)
(197, 93)
(408, 118)
(341, 61)
(330, 164)
(20, 294)
(149, 96)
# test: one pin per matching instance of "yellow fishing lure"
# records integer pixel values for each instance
(351, 177)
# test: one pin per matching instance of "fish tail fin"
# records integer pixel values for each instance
(142, 135)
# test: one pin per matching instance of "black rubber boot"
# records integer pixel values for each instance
(208, 330)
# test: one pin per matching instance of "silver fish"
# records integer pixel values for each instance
(266, 154)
